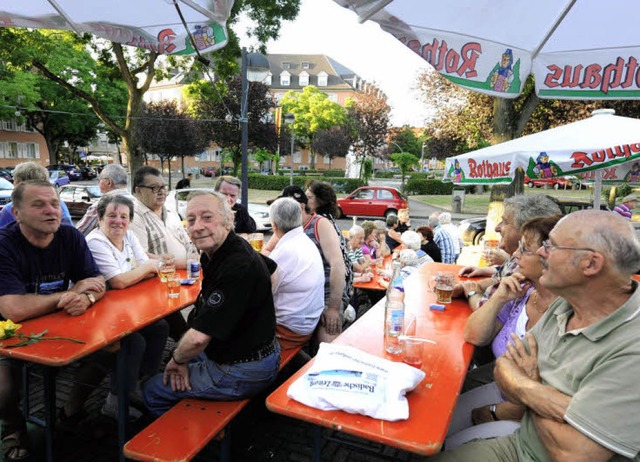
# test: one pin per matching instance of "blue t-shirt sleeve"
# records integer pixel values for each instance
(6, 217)
(66, 216)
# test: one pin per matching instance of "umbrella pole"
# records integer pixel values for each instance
(597, 190)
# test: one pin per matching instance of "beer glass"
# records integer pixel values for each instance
(442, 285)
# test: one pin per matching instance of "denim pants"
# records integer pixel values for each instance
(219, 382)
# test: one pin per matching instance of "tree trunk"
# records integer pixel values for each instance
(503, 116)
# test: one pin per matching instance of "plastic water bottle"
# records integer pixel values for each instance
(394, 313)
(193, 263)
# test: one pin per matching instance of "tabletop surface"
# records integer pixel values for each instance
(375, 284)
(432, 402)
(116, 315)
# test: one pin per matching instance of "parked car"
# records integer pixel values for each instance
(209, 172)
(372, 201)
(72, 171)
(79, 198)
(6, 174)
(177, 201)
(303, 167)
(58, 178)
(6, 188)
(472, 229)
(559, 182)
(88, 173)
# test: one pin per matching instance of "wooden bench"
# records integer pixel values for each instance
(182, 432)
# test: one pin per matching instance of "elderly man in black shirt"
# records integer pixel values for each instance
(229, 187)
(229, 351)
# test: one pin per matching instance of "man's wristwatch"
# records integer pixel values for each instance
(91, 298)
(472, 293)
(492, 411)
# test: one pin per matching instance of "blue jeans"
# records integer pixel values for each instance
(218, 382)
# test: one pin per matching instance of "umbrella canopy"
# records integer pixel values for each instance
(150, 24)
(576, 49)
(603, 142)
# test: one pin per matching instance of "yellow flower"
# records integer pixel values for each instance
(8, 328)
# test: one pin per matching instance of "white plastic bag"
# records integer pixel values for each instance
(351, 380)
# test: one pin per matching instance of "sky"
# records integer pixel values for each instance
(324, 27)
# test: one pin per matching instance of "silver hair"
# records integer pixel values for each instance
(612, 235)
(411, 240)
(445, 218)
(434, 221)
(224, 208)
(116, 173)
(29, 171)
(408, 257)
(380, 225)
(355, 230)
(524, 208)
(286, 214)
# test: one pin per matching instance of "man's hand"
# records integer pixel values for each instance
(331, 321)
(512, 287)
(74, 304)
(475, 272)
(177, 375)
(527, 361)
(89, 285)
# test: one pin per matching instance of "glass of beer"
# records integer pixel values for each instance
(442, 286)
(173, 286)
(488, 247)
(257, 240)
(167, 268)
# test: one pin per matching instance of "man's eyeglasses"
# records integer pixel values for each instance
(156, 189)
(548, 246)
(523, 250)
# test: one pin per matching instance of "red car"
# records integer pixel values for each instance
(555, 182)
(372, 201)
(209, 172)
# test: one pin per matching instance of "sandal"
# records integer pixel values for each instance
(13, 444)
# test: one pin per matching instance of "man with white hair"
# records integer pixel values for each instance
(298, 282)
(443, 239)
(575, 373)
(445, 222)
(411, 240)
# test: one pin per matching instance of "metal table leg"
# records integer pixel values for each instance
(49, 409)
(317, 443)
(123, 398)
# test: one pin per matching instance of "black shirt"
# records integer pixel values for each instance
(243, 223)
(432, 249)
(184, 183)
(235, 305)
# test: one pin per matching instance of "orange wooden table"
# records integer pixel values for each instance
(431, 404)
(375, 284)
(116, 315)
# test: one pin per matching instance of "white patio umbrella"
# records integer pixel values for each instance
(150, 24)
(576, 49)
(603, 146)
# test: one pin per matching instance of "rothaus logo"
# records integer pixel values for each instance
(441, 57)
(618, 75)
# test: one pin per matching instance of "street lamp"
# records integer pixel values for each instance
(254, 68)
(422, 156)
(290, 119)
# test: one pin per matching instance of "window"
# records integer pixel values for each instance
(383, 194)
(327, 160)
(364, 194)
(286, 65)
(303, 79)
(306, 65)
(297, 157)
(322, 79)
(332, 97)
(285, 79)
(268, 79)
(12, 151)
(9, 125)
(31, 151)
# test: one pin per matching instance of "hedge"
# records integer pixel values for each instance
(423, 187)
(277, 182)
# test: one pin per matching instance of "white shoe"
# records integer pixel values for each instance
(110, 408)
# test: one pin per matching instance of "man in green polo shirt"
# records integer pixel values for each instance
(578, 376)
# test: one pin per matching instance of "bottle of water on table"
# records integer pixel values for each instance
(193, 263)
(394, 312)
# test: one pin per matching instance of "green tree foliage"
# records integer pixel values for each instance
(215, 105)
(167, 131)
(404, 161)
(369, 119)
(314, 112)
(333, 142)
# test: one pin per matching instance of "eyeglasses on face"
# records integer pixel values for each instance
(523, 250)
(548, 246)
(156, 189)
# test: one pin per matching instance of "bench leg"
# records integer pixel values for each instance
(49, 409)
(317, 443)
(225, 445)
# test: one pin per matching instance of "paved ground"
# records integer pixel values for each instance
(257, 435)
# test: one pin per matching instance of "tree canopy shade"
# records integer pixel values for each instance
(214, 105)
(314, 112)
(369, 118)
(168, 132)
(333, 142)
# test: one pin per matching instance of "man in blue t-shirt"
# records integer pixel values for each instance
(38, 261)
